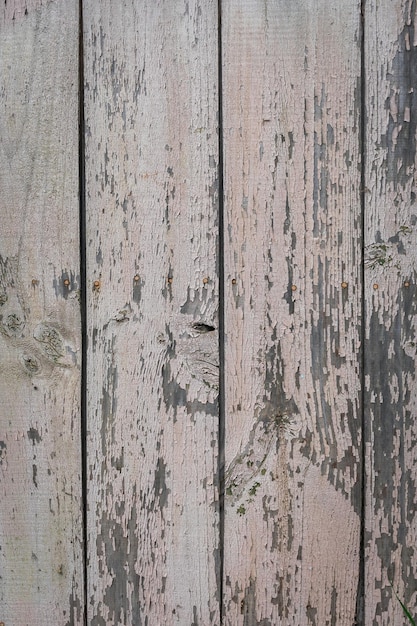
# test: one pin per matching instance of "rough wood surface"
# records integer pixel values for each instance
(151, 202)
(391, 309)
(291, 81)
(295, 342)
(40, 453)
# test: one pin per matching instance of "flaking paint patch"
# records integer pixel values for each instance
(3, 451)
(97, 620)
(289, 295)
(174, 395)
(66, 284)
(278, 599)
(120, 550)
(323, 335)
(400, 139)
(333, 608)
(75, 611)
(320, 170)
(35, 475)
(311, 613)
(161, 490)
(387, 412)
(167, 288)
(137, 289)
(276, 403)
(188, 359)
(196, 302)
(109, 405)
(248, 606)
(34, 436)
(337, 471)
(390, 397)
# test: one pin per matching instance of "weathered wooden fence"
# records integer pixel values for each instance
(208, 312)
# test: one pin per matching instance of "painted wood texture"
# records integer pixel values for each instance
(391, 308)
(151, 205)
(291, 98)
(312, 352)
(41, 569)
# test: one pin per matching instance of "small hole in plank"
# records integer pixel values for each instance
(203, 328)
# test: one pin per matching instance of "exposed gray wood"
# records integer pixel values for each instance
(291, 73)
(391, 308)
(151, 188)
(40, 465)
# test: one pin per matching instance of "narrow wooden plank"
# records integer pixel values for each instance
(151, 188)
(391, 308)
(291, 94)
(41, 570)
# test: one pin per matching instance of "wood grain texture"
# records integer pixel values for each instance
(151, 202)
(391, 308)
(14, 10)
(291, 97)
(41, 570)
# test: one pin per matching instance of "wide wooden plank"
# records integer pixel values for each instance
(391, 309)
(291, 100)
(151, 205)
(41, 569)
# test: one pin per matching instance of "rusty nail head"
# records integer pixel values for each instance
(376, 286)
(66, 282)
(344, 285)
(406, 284)
(205, 280)
(34, 283)
(293, 287)
(96, 284)
(136, 278)
(170, 279)
(233, 281)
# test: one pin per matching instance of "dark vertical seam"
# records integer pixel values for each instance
(222, 404)
(360, 600)
(83, 299)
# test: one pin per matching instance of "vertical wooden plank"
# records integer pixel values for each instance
(151, 191)
(391, 308)
(291, 94)
(41, 570)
